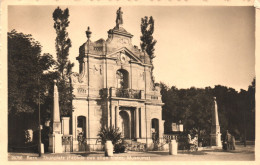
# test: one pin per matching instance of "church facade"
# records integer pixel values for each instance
(114, 87)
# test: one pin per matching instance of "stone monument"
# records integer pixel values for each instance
(55, 138)
(215, 136)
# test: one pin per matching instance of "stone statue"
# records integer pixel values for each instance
(119, 17)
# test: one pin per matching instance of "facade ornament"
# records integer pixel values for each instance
(88, 33)
(74, 77)
(95, 69)
(100, 71)
(123, 58)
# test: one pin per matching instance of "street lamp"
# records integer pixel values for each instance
(39, 116)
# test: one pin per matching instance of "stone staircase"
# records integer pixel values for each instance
(132, 145)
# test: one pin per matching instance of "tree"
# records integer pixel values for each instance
(25, 66)
(250, 111)
(147, 40)
(64, 66)
(27, 73)
(236, 110)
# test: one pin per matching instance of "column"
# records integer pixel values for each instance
(74, 132)
(74, 127)
(137, 122)
(116, 116)
(113, 115)
(143, 124)
(108, 113)
(87, 128)
(130, 126)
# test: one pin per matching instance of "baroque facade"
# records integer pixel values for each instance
(114, 87)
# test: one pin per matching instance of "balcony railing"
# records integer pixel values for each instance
(128, 93)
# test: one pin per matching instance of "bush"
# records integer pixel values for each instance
(109, 133)
(119, 148)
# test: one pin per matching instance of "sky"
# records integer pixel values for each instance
(196, 46)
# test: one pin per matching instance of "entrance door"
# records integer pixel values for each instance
(124, 124)
(155, 129)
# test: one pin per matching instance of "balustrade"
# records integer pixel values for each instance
(128, 93)
(168, 138)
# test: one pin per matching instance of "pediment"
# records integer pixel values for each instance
(124, 55)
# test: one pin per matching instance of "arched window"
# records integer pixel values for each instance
(122, 79)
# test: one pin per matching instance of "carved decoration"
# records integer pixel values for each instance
(97, 69)
(81, 90)
(77, 78)
(122, 41)
(74, 77)
(101, 69)
(122, 58)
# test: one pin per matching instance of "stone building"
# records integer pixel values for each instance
(114, 87)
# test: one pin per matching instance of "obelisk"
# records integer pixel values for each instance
(55, 138)
(215, 136)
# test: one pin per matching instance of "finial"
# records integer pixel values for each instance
(55, 81)
(88, 33)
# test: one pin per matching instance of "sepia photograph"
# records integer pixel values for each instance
(130, 82)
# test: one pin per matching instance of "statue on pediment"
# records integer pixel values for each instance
(119, 17)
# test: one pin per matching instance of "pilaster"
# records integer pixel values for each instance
(137, 122)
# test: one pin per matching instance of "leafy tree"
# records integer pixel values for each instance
(25, 66)
(64, 66)
(236, 110)
(27, 78)
(251, 110)
(147, 40)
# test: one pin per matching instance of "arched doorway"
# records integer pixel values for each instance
(155, 129)
(124, 124)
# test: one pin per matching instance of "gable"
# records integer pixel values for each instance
(124, 54)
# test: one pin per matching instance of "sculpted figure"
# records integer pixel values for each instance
(119, 17)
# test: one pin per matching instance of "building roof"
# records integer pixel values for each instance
(118, 38)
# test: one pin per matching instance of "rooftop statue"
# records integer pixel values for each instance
(119, 17)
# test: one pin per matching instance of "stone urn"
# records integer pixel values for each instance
(108, 148)
(173, 147)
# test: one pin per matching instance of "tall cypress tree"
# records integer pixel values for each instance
(64, 66)
(147, 40)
